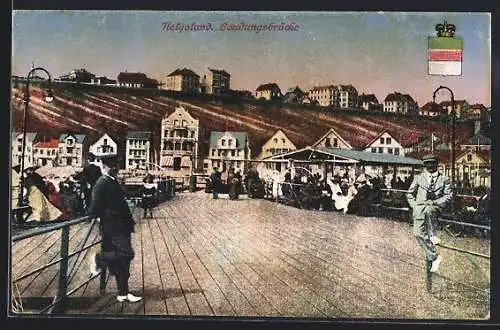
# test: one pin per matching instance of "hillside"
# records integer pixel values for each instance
(93, 110)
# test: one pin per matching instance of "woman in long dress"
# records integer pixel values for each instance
(341, 201)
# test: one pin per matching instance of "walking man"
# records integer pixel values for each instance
(116, 225)
(216, 183)
(428, 194)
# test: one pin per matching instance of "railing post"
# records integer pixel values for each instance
(62, 288)
(102, 278)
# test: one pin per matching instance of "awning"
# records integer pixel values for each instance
(167, 161)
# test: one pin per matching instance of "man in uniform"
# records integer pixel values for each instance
(116, 226)
(428, 194)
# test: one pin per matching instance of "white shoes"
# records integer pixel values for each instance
(93, 266)
(435, 240)
(129, 297)
(435, 264)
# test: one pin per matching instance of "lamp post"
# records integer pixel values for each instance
(48, 98)
(452, 136)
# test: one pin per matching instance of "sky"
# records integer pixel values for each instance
(377, 52)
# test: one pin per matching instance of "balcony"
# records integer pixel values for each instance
(177, 152)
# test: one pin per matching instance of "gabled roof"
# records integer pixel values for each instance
(266, 87)
(183, 72)
(319, 88)
(398, 97)
(30, 136)
(219, 71)
(138, 135)
(347, 88)
(132, 77)
(52, 143)
(276, 133)
(80, 138)
(331, 130)
(378, 136)
(368, 98)
(241, 138)
(431, 107)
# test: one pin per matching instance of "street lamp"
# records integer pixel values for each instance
(48, 98)
(452, 135)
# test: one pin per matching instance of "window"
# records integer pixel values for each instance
(335, 142)
(229, 142)
(275, 140)
(233, 153)
(41, 151)
(381, 140)
(223, 142)
(380, 150)
(213, 152)
(69, 150)
(328, 143)
(105, 141)
(469, 157)
(176, 122)
(184, 123)
(388, 140)
(374, 150)
(396, 151)
(283, 140)
(389, 150)
(165, 133)
(192, 134)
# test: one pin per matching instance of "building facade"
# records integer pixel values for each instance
(17, 148)
(348, 96)
(325, 96)
(104, 146)
(216, 82)
(279, 143)
(368, 101)
(400, 103)
(183, 80)
(78, 75)
(179, 142)
(270, 91)
(332, 140)
(228, 150)
(72, 149)
(384, 143)
(461, 108)
(138, 150)
(45, 153)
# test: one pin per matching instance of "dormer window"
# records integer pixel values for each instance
(223, 142)
(70, 142)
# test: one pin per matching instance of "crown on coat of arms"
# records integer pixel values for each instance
(445, 30)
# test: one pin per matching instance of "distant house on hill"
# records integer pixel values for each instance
(102, 81)
(385, 143)
(179, 141)
(17, 148)
(400, 103)
(136, 79)
(104, 146)
(368, 102)
(348, 96)
(138, 150)
(431, 109)
(324, 96)
(78, 75)
(294, 95)
(46, 152)
(461, 108)
(228, 150)
(183, 80)
(477, 111)
(278, 143)
(270, 91)
(72, 149)
(477, 141)
(332, 140)
(216, 82)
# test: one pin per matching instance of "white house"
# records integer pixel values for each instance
(332, 140)
(278, 143)
(137, 150)
(384, 143)
(228, 149)
(72, 149)
(17, 148)
(46, 152)
(104, 146)
(179, 141)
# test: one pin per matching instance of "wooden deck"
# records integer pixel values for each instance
(257, 258)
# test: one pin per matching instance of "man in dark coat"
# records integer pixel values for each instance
(116, 226)
(215, 178)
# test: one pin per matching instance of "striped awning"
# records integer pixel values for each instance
(167, 161)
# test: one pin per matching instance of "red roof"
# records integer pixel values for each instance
(52, 143)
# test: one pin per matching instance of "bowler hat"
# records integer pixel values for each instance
(109, 160)
(429, 158)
